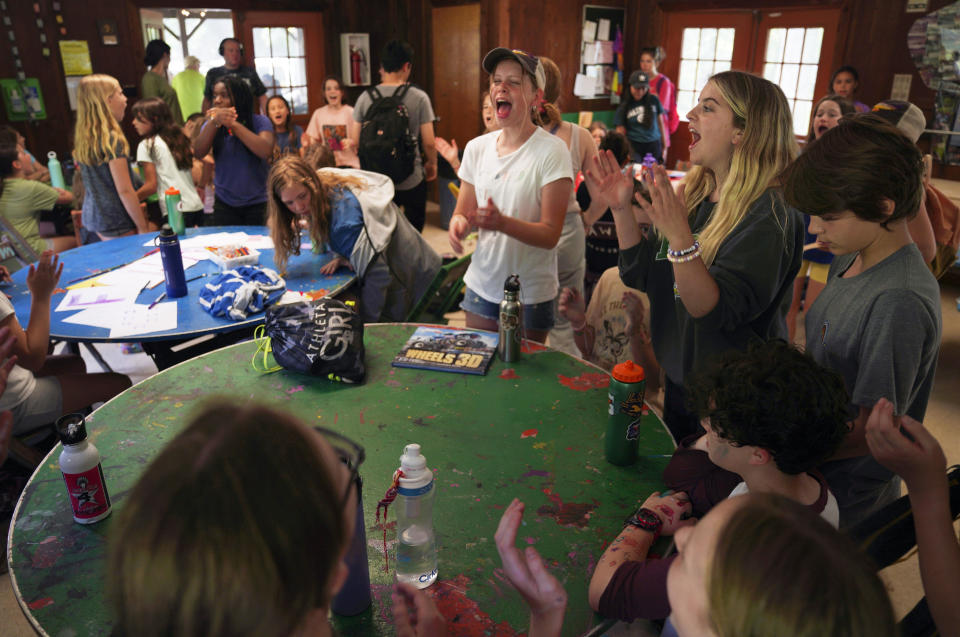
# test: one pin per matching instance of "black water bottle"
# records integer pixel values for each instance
(354, 597)
(172, 262)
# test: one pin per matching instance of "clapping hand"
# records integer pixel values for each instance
(666, 208)
(607, 183)
(540, 590)
(448, 150)
(572, 306)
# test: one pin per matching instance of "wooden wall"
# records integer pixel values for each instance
(875, 33)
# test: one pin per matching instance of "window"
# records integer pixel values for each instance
(281, 64)
(791, 61)
(703, 52)
(194, 32)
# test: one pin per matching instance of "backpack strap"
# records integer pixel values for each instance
(400, 92)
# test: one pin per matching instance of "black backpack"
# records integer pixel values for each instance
(386, 146)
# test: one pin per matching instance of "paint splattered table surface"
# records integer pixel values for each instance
(303, 275)
(532, 429)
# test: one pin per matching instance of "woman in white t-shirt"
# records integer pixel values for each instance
(328, 125)
(515, 185)
(166, 157)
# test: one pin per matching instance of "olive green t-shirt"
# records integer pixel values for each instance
(21, 203)
(152, 85)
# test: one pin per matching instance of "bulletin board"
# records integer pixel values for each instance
(601, 53)
(934, 45)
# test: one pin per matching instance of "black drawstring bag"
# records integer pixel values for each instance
(320, 338)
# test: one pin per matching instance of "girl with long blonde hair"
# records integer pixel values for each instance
(353, 212)
(110, 208)
(727, 246)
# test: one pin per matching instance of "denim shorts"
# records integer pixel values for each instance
(536, 316)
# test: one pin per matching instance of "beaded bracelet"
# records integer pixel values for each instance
(685, 251)
(686, 258)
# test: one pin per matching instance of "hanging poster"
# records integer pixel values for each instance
(76, 57)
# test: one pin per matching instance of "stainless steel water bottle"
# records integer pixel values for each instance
(511, 320)
(625, 408)
(172, 260)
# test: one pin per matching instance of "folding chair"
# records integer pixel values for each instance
(889, 534)
(442, 293)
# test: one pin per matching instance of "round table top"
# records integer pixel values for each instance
(303, 275)
(531, 429)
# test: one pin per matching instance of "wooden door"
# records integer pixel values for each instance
(456, 72)
(302, 60)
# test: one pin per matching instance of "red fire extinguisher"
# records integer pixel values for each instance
(356, 66)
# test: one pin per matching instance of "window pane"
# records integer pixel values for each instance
(261, 41)
(807, 82)
(788, 79)
(298, 71)
(265, 71)
(775, 38)
(295, 41)
(298, 100)
(691, 43)
(794, 46)
(278, 42)
(811, 46)
(704, 71)
(281, 69)
(772, 72)
(719, 67)
(801, 117)
(685, 102)
(203, 43)
(725, 44)
(708, 43)
(688, 75)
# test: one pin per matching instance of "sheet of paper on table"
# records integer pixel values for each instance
(128, 319)
(83, 298)
(148, 270)
(221, 239)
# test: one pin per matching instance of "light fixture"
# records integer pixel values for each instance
(185, 12)
(203, 14)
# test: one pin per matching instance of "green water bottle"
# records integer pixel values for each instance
(625, 406)
(174, 214)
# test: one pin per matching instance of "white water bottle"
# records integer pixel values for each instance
(416, 542)
(80, 464)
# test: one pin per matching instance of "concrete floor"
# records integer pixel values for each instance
(903, 580)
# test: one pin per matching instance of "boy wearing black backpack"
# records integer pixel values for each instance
(391, 120)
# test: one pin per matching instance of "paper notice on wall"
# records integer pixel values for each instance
(76, 57)
(590, 53)
(589, 30)
(901, 87)
(604, 52)
(585, 86)
(603, 29)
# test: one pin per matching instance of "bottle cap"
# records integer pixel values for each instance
(51, 155)
(414, 467)
(71, 429)
(512, 284)
(171, 192)
(628, 372)
(167, 231)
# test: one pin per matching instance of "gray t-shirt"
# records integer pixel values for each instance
(881, 331)
(103, 209)
(420, 112)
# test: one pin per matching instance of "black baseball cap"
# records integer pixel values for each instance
(639, 79)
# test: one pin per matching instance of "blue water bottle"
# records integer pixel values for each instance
(56, 173)
(172, 262)
(354, 597)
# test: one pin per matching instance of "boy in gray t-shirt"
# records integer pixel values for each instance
(395, 67)
(877, 322)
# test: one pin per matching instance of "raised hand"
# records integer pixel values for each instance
(666, 210)
(572, 306)
(607, 183)
(541, 591)
(448, 150)
(920, 462)
(43, 275)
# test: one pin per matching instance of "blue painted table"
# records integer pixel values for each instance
(303, 275)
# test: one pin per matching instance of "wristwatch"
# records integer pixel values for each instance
(646, 520)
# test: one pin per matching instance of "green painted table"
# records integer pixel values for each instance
(531, 429)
